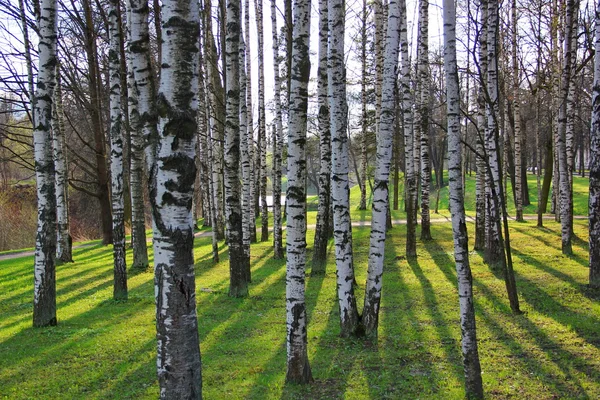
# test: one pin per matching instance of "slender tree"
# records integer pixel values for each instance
(277, 140)
(116, 154)
(238, 262)
(298, 367)
(323, 228)
(422, 102)
(472, 368)
(410, 179)
(516, 107)
(250, 122)
(594, 201)
(493, 241)
(178, 362)
(382, 172)
(480, 162)
(63, 243)
(262, 129)
(44, 284)
(136, 158)
(245, 161)
(342, 227)
(563, 170)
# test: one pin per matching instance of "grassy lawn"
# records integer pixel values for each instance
(580, 199)
(103, 349)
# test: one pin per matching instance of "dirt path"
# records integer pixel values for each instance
(355, 223)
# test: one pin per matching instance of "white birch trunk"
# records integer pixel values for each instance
(277, 141)
(116, 154)
(245, 161)
(493, 245)
(342, 226)
(472, 368)
(44, 270)
(382, 173)
(144, 79)
(178, 361)
(136, 165)
(216, 125)
(298, 367)
(27, 53)
(238, 262)
(410, 180)
(362, 176)
(323, 229)
(565, 181)
(481, 178)
(594, 200)
(517, 117)
(250, 121)
(262, 129)
(63, 240)
(423, 116)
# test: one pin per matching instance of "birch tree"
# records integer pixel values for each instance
(594, 200)
(178, 361)
(63, 241)
(116, 154)
(44, 283)
(246, 166)
(382, 172)
(145, 82)
(563, 170)
(516, 115)
(262, 129)
(480, 161)
(323, 228)
(250, 122)
(277, 140)
(410, 180)
(423, 115)
(238, 262)
(493, 242)
(298, 367)
(136, 162)
(472, 368)
(342, 226)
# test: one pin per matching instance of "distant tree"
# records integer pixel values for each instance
(44, 284)
(178, 363)
(64, 242)
(277, 141)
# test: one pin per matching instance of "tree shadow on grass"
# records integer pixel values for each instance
(450, 344)
(524, 359)
(576, 241)
(79, 352)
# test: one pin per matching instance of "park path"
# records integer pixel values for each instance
(363, 223)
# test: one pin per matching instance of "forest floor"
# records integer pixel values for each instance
(102, 349)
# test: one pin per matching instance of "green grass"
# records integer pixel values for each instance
(104, 349)
(580, 199)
